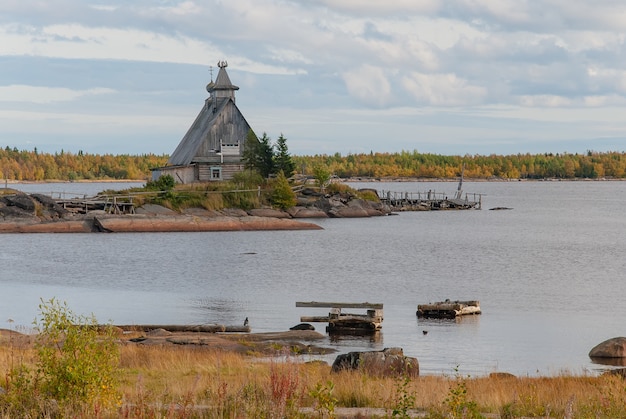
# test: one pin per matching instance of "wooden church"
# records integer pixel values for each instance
(212, 148)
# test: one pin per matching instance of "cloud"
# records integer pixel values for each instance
(459, 71)
(369, 84)
(76, 41)
(39, 94)
(381, 8)
(443, 90)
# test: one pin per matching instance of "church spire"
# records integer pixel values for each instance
(222, 87)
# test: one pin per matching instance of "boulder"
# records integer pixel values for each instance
(153, 209)
(302, 212)
(386, 363)
(182, 223)
(51, 208)
(21, 200)
(159, 332)
(234, 212)
(501, 375)
(611, 348)
(303, 326)
(268, 212)
(348, 212)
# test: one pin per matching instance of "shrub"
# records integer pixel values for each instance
(458, 403)
(248, 179)
(78, 360)
(283, 196)
(337, 187)
(163, 183)
(76, 366)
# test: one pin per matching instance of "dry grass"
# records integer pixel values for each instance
(187, 381)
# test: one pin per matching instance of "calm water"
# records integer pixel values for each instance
(550, 275)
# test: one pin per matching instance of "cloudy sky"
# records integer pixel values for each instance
(449, 77)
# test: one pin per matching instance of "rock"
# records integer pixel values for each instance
(611, 348)
(50, 209)
(22, 201)
(302, 212)
(303, 326)
(348, 212)
(306, 201)
(183, 223)
(201, 212)
(159, 332)
(36, 226)
(153, 209)
(234, 212)
(12, 212)
(346, 206)
(501, 375)
(268, 212)
(310, 192)
(388, 362)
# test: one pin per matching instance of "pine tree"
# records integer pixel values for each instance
(282, 159)
(258, 155)
(283, 196)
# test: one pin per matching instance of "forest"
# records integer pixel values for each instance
(23, 165)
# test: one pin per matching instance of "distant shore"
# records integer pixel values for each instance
(347, 180)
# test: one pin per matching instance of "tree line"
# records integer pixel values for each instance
(22, 165)
(591, 165)
(269, 159)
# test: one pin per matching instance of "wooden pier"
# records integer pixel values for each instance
(111, 204)
(448, 309)
(347, 323)
(429, 201)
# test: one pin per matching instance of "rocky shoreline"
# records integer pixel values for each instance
(38, 213)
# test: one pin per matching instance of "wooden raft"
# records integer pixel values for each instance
(448, 309)
(347, 323)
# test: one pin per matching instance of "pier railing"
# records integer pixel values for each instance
(430, 200)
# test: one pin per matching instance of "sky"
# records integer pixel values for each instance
(453, 77)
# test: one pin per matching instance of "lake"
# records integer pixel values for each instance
(549, 273)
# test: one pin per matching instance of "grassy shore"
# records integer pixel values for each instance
(195, 381)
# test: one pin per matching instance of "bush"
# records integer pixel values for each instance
(76, 366)
(163, 183)
(283, 196)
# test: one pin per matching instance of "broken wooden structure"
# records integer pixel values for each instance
(448, 309)
(347, 323)
(429, 201)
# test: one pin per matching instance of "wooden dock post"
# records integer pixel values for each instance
(348, 323)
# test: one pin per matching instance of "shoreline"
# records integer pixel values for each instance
(343, 180)
(155, 224)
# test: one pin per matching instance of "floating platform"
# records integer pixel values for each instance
(347, 323)
(448, 309)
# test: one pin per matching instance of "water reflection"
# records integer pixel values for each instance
(356, 339)
(614, 362)
(466, 321)
(220, 311)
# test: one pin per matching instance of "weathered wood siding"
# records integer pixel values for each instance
(229, 127)
(181, 174)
